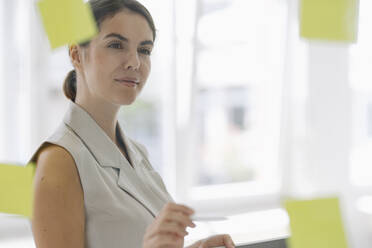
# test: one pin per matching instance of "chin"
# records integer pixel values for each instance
(126, 101)
(122, 97)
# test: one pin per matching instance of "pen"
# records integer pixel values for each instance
(208, 218)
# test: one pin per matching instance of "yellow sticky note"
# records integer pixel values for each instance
(316, 223)
(67, 21)
(16, 189)
(333, 20)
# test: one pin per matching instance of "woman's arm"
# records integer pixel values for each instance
(58, 215)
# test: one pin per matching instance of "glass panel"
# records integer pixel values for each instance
(239, 61)
(361, 78)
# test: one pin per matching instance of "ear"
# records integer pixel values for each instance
(75, 53)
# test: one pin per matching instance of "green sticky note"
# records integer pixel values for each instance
(16, 189)
(67, 21)
(316, 223)
(333, 20)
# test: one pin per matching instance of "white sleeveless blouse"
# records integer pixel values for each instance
(120, 201)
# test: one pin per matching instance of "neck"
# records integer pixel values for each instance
(105, 114)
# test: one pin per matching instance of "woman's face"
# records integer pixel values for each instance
(116, 63)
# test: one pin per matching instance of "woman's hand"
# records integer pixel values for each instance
(215, 241)
(169, 227)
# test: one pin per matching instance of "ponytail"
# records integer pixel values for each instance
(69, 86)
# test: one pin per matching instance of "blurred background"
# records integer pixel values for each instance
(238, 114)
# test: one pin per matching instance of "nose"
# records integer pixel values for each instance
(132, 62)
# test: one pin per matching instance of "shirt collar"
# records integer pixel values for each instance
(97, 141)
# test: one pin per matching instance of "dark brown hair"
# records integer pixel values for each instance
(101, 10)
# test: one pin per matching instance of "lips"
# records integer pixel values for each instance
(127, 80)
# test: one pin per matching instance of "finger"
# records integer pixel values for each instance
(218, 240)
(178, 217)
(164, 240)
(228, 241)
(172, 227)
(171, 206)
(167, 224)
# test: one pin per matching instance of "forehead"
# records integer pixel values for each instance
(129, 24)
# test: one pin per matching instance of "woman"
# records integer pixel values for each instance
(94, 187)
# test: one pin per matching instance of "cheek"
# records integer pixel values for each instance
(102, 61)
(146, 68)
(94, 64)
(103, 66)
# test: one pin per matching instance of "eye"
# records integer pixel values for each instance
(145, 51)
(115, 45)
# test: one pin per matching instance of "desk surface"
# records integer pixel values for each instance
(279, 243)
(247, 230)
(268, 244)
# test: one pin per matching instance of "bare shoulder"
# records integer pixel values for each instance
(56, 163)
(55, 167)
(58, 216)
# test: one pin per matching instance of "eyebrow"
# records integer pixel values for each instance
(120, 37)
